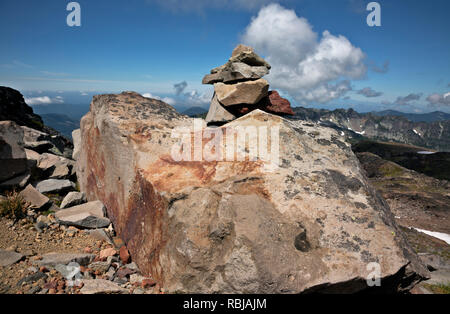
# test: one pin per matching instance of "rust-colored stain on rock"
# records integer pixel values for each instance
(143, 230)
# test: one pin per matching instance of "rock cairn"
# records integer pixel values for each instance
(239, 88)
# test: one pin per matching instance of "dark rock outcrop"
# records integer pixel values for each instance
(14, 108)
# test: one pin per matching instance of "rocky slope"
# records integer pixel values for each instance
(433, 164)
(434, 135)
(311, 221)
(420, 204)
(45, 225)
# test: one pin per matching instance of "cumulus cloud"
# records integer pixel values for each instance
(180, 87)
(405, 101)
(44, 100)
(369, 92)
(167, 100)
(308, 67)
(439, 99)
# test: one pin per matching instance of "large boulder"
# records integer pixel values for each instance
(249, 92)
(13, 158)
(306, 220)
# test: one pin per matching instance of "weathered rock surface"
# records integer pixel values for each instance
(217, 113)
(312, 224)
(73, 199)
(36, 199)
(249, 92)
(8, 258)
(55, 186)
(13, 159)
(101, 286)
(247, 55)
(76, 137)
(90, 215)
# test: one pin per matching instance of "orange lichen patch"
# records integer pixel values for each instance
(169, 175)
(172, 176)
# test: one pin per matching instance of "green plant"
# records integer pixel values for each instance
(14, 206)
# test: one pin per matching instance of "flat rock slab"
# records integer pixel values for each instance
(55, 186)
(250, 92)
(101, 286)
(35, 198)
(53, 259)
(90, 215)
(8, 258)
(73, 199)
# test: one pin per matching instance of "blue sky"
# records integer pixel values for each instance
(149, 46)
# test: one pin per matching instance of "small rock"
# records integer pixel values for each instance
(104, 254)
(90, 215)
(100, 286)
(99, 267)
(100, 234)
(132, 266)
(8, 258)
(35, 198)
(124, 272)
(124, 255)
(31, 278)
(73, 199)
(53, 259)
(55, 186)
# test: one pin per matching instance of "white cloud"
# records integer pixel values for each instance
(369, 92)
(44, 100)
(196, 99)
(439, 99)
(306, 66)
(167, 100)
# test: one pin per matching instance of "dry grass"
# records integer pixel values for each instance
(14, 206)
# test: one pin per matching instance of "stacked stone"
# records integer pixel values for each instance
(239, 88)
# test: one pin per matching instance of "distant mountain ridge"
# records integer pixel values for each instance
(416, 117)
(194, 111)
(433, 135)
